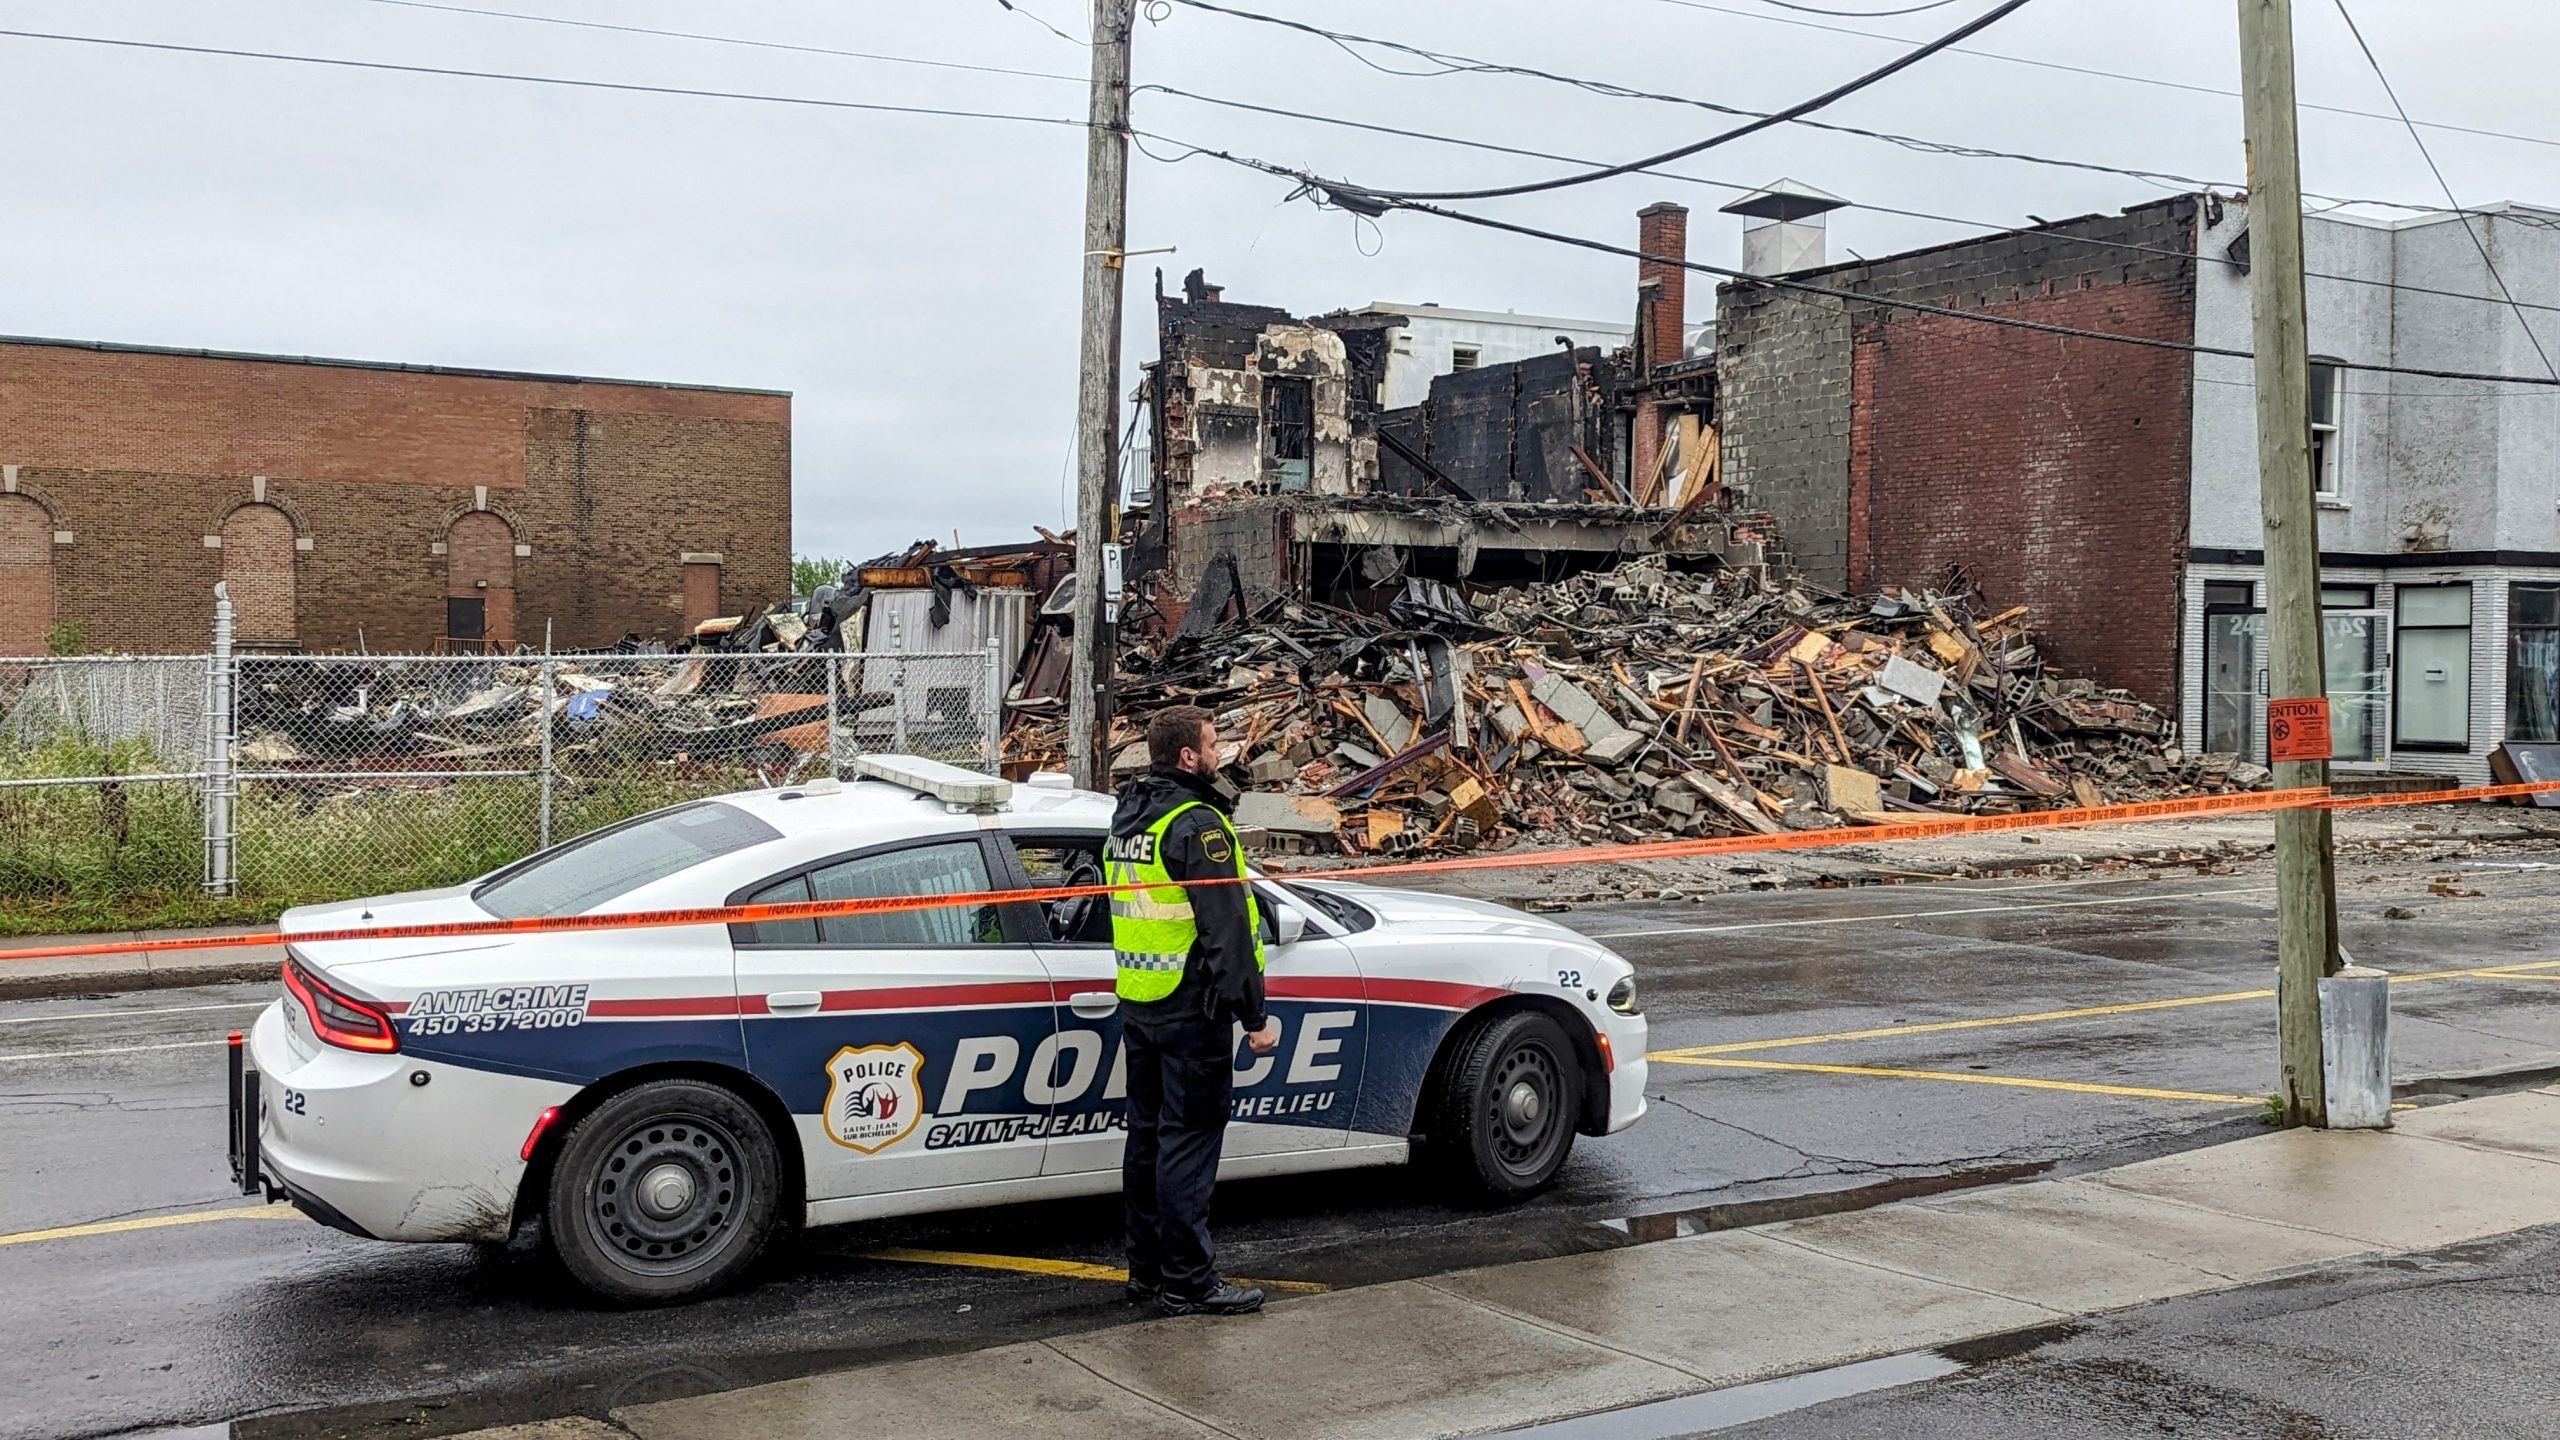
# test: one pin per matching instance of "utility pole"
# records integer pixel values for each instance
(1106, 235)
(2306, 915)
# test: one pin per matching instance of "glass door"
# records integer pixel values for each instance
(2234, 656)
(2358, 661)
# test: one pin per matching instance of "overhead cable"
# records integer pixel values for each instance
(1310, 185)
(1996, 227)
(1801, 108)
(1451, 64)
(1860, 14)
(2057, 65)
(2467, 227)
(524, 79)
(739, 40)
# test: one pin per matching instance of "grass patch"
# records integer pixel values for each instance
(129, 855)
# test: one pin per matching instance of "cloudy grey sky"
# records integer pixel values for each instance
(912, 279)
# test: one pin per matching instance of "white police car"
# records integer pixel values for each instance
(664, 1097)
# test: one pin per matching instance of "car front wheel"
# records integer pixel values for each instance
(666, 1191)
(1507, 1106)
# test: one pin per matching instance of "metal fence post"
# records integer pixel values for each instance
(995, 704)
(550, 694)
(221, 725)
(835, 683)
(898, 691)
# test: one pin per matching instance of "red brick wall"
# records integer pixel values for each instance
(258, 564)
(480, 562)
(701, 592)
(2054, 470)
(144, 455)
(26, 576)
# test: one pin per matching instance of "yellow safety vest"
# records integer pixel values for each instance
(1153, 930)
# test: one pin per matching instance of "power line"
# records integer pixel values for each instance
(1043, 24)
(1997, 227)
(1461, 64)
(724, 39)
(1801, 108)
(1860, 14)
(523, 79)
(1312, 185)
(2447, 186)
(2099, 74)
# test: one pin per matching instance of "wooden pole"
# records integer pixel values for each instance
(1106, 230)
(2306, 922)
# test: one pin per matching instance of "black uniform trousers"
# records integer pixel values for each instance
(1181, 1073)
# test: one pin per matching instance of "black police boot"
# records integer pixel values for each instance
(1222, 1299)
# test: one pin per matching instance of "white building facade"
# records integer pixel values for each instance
(1435, 340)
(2438, 500)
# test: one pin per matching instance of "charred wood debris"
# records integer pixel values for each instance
(1640, 703)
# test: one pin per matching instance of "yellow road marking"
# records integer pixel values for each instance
(1069, 1269)
(1882, 1032)
(1963, 1077)
(1985, 1022)
(153, 1222)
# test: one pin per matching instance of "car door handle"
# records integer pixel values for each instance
(1093, 1004)
(793, 1000)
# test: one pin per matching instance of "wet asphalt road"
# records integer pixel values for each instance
(2414, 1347)
(111, 1109)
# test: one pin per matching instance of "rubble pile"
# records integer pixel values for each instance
(1637, 704)
(394, 714)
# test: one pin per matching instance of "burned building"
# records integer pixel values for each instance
(1272, 448)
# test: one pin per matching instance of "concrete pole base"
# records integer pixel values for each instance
(2355, 1048)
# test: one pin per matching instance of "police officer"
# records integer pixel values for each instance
(1190, 960)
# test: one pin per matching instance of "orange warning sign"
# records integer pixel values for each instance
(2298, 729)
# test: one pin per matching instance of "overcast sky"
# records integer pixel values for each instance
(912, 280)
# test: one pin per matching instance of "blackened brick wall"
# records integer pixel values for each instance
(1889, 444)
(140, 455)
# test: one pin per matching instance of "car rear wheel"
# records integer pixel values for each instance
(1507, 1105)
(666, 1191)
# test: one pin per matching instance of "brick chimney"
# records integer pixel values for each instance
(1662, 229)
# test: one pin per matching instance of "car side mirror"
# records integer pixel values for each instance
(1289, 923)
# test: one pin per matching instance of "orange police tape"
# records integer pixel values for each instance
(2254, 803)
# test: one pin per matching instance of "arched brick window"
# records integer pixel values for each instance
(480, 583)
(26, 576)
(258, 564)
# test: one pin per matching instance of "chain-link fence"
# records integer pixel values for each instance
(287, 779)
(101, 790)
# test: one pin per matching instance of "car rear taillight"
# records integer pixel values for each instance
(339, 1018)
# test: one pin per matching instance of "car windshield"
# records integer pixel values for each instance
(583, 874)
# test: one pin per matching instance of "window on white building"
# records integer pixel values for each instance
(1464, 357)
(2433, 669)
(2324, 429)
(2533, 662)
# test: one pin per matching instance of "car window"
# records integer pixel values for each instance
(957, 868)
(1350, 917)
(1054, 863)
(575, 878)
(779, 932)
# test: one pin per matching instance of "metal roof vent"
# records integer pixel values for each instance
(1789, 235)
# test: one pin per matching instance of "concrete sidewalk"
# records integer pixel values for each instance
(133, 969)
(1487, 1350)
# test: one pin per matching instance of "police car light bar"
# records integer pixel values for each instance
(966, 789)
